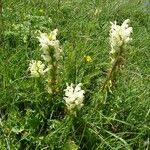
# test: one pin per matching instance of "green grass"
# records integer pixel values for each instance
(32, 119)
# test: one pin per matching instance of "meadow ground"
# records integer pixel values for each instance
(32, 119)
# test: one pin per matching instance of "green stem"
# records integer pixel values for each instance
(112, 71)
(53, 73)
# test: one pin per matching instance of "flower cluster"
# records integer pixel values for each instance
(50, 46)
(51, 54)
(119, 37)
(37, 68)
(74, 97)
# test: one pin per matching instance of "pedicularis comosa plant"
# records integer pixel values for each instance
(51, 53)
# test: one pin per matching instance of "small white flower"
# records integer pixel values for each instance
(44, 40)
(74, 97)
(37, 68)
(46, 58)
(57, 54)
(54, 44)
(53, 34)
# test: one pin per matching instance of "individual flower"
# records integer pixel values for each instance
(37, 68)
(57, 54)
(88, 58)
(74, 97)
(44, 40)
(119, 35)
(53, 34)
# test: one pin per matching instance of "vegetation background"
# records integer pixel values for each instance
(31, 119)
